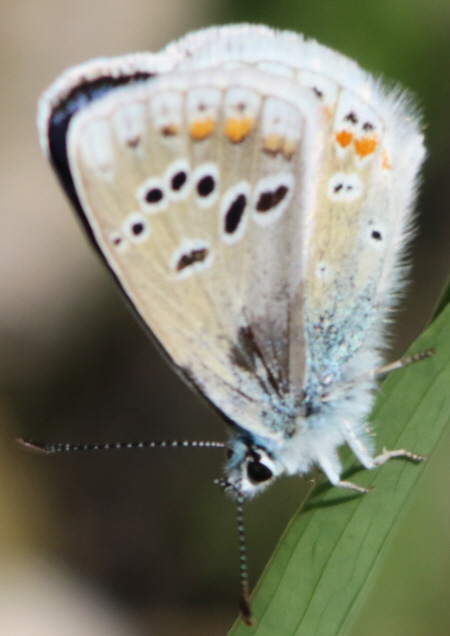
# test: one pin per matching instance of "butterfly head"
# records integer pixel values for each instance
(250, 467)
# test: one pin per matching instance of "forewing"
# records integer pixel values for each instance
(195, 187)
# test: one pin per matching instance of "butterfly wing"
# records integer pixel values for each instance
(245, 201)
(184, 183)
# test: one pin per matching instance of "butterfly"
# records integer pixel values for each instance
(251, 191)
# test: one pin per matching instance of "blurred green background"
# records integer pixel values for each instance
(148, 531)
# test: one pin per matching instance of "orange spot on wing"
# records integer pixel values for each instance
(273, 144)
(366, 145)
(202, 128)
(343, 137)
(237, 129)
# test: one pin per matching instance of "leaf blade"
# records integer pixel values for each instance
(327, 559)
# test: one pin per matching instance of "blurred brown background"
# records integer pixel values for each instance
(147, 530)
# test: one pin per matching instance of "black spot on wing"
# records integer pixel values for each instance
(351, 117)
(192, 257)
(271, 198)
(376, 235)
(368, 126)
(206, 185)
(317, 92)
(178, 180)
(234, 214)
(137, 228)
(154, 195)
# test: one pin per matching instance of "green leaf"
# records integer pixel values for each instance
(326, 560)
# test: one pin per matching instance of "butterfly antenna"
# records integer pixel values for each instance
(244, 603)
(48, 448)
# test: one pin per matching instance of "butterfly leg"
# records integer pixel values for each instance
(383, 457)
(364, 455)
(331, 470)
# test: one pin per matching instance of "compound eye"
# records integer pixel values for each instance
(258, 472)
